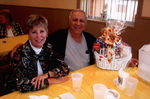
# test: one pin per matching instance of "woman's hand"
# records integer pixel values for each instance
(39, 80)
(57, 80)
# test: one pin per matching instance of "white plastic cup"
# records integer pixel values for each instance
(131, 84)
(99, 91)
(76, 81)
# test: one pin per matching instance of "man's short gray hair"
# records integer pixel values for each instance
(77, 10)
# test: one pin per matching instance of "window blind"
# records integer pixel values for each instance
(124, 10)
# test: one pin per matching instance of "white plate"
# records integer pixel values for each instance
(117, 84)
(111, 94)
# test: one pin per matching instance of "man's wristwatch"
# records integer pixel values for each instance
(48, 75)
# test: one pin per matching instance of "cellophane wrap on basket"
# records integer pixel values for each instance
(109, 49)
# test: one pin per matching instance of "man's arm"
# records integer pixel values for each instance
(15, 49)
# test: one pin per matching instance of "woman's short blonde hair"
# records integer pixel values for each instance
(36, 20)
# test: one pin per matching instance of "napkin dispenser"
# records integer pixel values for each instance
(144, 63)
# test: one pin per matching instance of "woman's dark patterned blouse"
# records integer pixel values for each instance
(24, 68)
(16, 29)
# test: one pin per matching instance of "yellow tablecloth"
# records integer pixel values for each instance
(7, 44)
(91, 75)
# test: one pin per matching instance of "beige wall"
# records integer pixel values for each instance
(135, 36)
(61, 4)
(146, 8)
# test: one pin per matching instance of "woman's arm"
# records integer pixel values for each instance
(58, 66)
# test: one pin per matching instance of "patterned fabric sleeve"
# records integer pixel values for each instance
(62, 68)
(16, 28)
(15, 65)
(57, 64)
(2, 31)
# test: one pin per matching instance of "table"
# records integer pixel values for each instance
(91, 75)
(7, 44)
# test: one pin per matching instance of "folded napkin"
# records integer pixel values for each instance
(38, 97)
(67, 96)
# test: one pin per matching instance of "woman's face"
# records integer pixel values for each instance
(38, 36)
(3, 19)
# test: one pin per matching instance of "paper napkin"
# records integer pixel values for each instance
(38, 97)
(67, 96)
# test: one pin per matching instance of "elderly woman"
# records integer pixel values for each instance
(8, 27)
(34, 65)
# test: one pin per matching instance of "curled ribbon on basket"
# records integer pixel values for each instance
(111, 39)
(110, 36)
(100, 58)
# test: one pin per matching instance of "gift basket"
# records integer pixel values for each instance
(109, 49)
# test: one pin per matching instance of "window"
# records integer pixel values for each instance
(124, 10)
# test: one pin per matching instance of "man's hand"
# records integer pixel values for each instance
(15, 49)
(133, 62)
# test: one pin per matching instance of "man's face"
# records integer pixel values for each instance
(77, 22)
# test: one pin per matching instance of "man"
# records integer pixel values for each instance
(73, 44)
